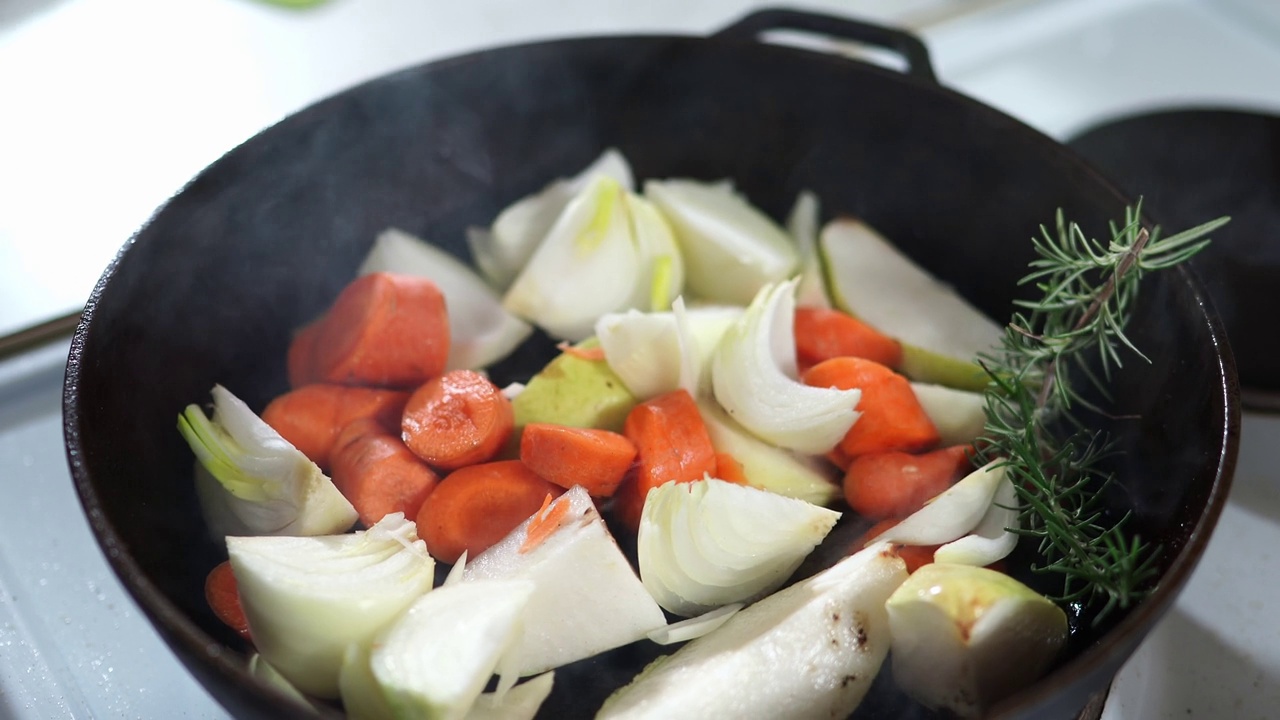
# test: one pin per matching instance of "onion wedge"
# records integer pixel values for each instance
(953, 513)
(993, 539)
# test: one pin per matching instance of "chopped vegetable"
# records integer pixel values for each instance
(914, 556)
(662, 274)
(671, 444)
(566, 456)
(709, 543)
(308, 598)
(457, 419)
(959, 415)
(823, 334)
(574, 391)
(658, 352)
(378, 474)
(476, 506)
(312, 416)
(953, 513)
(896, 484)
(251, 481)
(802, 225)
(221, 593)
(994, 537)
(891, 417)
(300, 361)
(694, 627)
(519, 703)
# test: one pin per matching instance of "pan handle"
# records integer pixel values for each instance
(899, 41)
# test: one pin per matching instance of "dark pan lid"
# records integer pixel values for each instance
(1191, 166)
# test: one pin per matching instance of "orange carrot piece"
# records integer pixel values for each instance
(729, 469)
(913, 555)
(567, 456)
(457, 419)
(377, 474)
(822, 334)
(671, 443)
(478, 505)
(223, 596)
(543, 523)
(301, 358)
(312, 416)
(383, 330)
(896, 484)
(892, 418)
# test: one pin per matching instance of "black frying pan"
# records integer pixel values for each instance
(261, 241)
(1192, 166)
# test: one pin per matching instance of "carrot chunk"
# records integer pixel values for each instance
(671, 443)
(312, 416)
(567, 456)
(478, 505)
(377, 474)
(457, 419)
(383, 330)
(822, 334)
(301, 358)
(729, 469)
(223, 596)
(896, 484)
(892, 418)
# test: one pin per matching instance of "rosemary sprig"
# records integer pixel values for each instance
(1075, 330)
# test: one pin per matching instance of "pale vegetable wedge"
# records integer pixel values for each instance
(809, 651)
(481, 331)
(308, 598)
(575, 391)
(731, 249)
(994, 537)
(653, 352)
(941, 332)
(662, 264)
(251, 481)
(694, 627)
(802, 224)
(262, 670)
(578, 561)
(519, 703)
(953, 512)
(959, 415)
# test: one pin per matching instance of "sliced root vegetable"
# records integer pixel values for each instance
(378, 474)
(251, 481)
(307, 599)
(753, 374)
(577, 559)
(481, 330)
(966, 637)
(577, 392)
(896, 484)
(802, 225)
(595, 459)
(710, 543)
(457, 419)
(476, 506)
(221, 593)
(731, 249)
(671, 444)
(830, 632)
(891, 416)
(766, 466)
(993, 539)
(434, 661)
(959, 415)
(694, 627)
(823, 334)
(312, 416)
(383, 330)
(953, 513)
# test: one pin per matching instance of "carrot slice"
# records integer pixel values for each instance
(312, 416)
(892, 418)
(457, 419)
(377, 474)
(896, 484)
(301, 358)
(223, 596)
(822, 334)
(567, 456)
(913, 555)
(383, 330)
(729, 469)
(478, 505)
(671, 443)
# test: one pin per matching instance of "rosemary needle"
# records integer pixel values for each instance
(1075, 330)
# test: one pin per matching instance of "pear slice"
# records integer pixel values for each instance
(940, 331)
(959, 415)
(809, 651)
(965, 637)
(575, 391)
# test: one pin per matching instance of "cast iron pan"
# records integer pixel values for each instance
(261, 241)
(1191, 166)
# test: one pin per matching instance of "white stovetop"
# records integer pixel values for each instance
(109, 106)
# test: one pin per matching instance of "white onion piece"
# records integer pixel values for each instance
(262, 670)
(435, 660)
(953, 513)
(481, 331)
(662, 264)
(802, 224)
(710, 543)
(753, 373)
(518, 703)
(503, 249)
(652, 352)
(362, 696)
(251, 481)
(694, 627)
(587, 266)
(992, 539)
(308, 598)
(959, 415)
(731, 249)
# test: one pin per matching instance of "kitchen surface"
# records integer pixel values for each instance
(107, 107)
